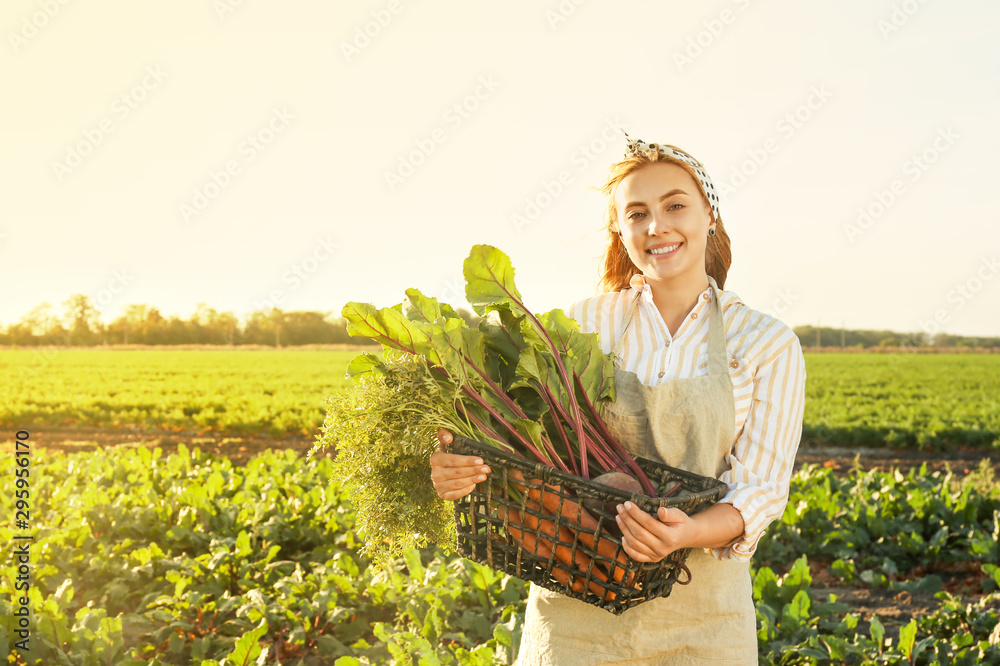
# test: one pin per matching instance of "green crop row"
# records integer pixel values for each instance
(139, 558)
(925, 401)
(230, 392)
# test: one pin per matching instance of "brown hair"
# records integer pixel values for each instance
(618, 267)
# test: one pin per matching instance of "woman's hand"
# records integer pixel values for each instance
(455, 476)
(649, 539)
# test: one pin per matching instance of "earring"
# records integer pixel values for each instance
(711, 232)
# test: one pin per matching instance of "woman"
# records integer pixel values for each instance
(703, 383)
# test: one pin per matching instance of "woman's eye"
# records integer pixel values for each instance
(676, 204)
(631, 216)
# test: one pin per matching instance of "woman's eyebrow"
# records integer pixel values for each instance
(662, 197)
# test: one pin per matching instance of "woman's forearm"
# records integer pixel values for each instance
(717, 526)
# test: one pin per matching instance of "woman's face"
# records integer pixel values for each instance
(664, 223)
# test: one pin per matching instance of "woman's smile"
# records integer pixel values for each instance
(664, 250)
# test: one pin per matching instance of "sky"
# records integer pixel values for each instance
(248, 155)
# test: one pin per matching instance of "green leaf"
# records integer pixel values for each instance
(798, 577)
(504, 333)
(390, 327)
(456, 346)
(877, 633)
(796, 613)
(907, 635)
(363, 364)
(992, 571)
(243, 544)
(247, 648)
(489, 279)
(425, 309)
(412, 557)
(765, 586)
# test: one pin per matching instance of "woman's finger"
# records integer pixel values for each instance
(457, 494)
(638, 551)
(637, 515)
(449, 482)
(453, 460)
(645, 531)
(444, 437)
(439, 473)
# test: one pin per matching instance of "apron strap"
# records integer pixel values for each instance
(718, 359)
(629, 313)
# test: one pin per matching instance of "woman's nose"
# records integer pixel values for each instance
(658, 224)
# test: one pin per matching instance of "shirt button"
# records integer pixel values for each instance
(705, 296)
(662, 373)
(694, 316)
(667, 344)
(735, 364)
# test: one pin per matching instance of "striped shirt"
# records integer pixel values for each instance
(768, 373)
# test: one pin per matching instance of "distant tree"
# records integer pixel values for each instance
(81, 319)
(40, 320)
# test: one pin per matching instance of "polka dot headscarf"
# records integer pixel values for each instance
(637, 146)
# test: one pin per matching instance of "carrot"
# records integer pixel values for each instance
(568, 556)
(578, 515)
(544, 548)
(551, 502)
(537, 547)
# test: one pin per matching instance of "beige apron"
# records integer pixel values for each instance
(686, 423)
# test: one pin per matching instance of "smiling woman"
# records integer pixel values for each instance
(702, 382)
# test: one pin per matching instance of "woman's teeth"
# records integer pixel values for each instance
(665, 250)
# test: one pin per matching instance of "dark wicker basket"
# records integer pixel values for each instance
(483, 534)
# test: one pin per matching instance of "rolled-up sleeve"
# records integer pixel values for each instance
(763, 454)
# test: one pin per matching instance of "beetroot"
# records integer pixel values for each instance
(618, 481)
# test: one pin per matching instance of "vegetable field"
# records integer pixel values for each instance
(927, 401)
(143, 557)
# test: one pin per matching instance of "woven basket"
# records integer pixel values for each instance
(612, 580)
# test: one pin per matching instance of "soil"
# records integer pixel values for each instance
(240, 449)
(894, 608)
